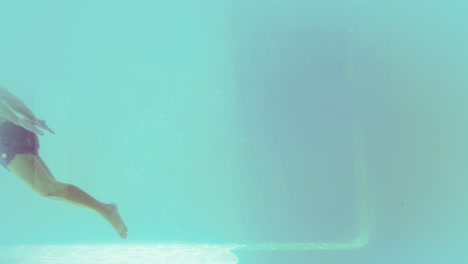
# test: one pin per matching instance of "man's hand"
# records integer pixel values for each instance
(42, 124)
(32, 125)
(29, 125)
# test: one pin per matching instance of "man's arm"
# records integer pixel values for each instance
(15, 104)
(5, 95)
(6, 113)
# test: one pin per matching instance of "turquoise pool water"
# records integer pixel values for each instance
(241, 131)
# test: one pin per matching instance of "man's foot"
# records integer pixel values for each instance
(113, 217)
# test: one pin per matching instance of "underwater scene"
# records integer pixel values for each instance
(224, 132)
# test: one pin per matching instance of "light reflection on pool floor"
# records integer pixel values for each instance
(121, 254)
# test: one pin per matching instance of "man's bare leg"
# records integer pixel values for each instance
(31, 169)
(73, 194)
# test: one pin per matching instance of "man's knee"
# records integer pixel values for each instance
(57, 190)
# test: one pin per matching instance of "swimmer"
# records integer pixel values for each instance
(19, 145)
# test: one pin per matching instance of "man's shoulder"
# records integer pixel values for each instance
(5, 95)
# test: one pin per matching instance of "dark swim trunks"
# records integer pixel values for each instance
(16, 140)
